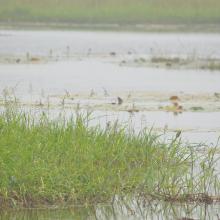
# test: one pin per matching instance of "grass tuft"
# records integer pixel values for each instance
(66, 162)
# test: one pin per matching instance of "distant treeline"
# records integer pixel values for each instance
(111, 11)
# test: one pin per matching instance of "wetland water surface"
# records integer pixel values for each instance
(131, 211)
(80, 42)
(95, 84)
(68, 69)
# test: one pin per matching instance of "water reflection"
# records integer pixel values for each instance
(122, 209)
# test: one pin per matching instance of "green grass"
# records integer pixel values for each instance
(111, 11)
(63, 162)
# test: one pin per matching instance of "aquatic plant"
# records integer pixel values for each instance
(211, 65)
(63, 161)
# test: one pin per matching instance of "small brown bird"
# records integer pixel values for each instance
(174, 98)
(34, 59)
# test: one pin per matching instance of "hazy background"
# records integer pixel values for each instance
(111, 11)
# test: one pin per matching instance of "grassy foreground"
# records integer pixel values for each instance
(111, 11)
(63, 162)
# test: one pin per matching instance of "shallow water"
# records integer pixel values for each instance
(80, 42)
(87, 74)
(34, 82)
(131, 211)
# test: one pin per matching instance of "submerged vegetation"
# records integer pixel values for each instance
(67, 162)
(191, 62)
(212, 65)
(112, 11)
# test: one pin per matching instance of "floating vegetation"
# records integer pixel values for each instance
(211, 65)
(166, 60)
(176, 62)
(174, 106)
(140, 60)
(197, 108)
(217, 95)
(47, 162)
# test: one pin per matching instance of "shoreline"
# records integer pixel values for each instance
(119, 27)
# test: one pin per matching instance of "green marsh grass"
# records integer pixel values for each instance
(46, 162)
(111, 11)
